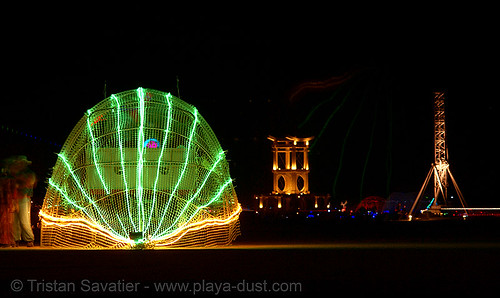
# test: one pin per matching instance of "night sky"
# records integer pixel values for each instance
(254, 76)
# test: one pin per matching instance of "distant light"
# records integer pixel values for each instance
(151, 143)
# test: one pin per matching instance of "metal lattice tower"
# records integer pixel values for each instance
(440, 151)
(440, 168)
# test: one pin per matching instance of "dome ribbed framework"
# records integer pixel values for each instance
(142, 167)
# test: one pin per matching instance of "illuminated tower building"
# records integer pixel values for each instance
(290, 165)
(440, 168)
(291, 179)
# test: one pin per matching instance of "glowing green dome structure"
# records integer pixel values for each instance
(142, 167)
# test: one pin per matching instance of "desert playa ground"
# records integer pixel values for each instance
(276, 257)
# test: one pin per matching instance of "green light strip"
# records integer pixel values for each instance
(92, 202)
(165, 139)
(118, 129)
(81, 208)
(51, 182)
(221, 155)
(94, 155)
(121, 224)
(140, 164)
(195, 112)
(221, 190)
(164, 235)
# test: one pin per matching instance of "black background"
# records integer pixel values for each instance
(242, 70)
